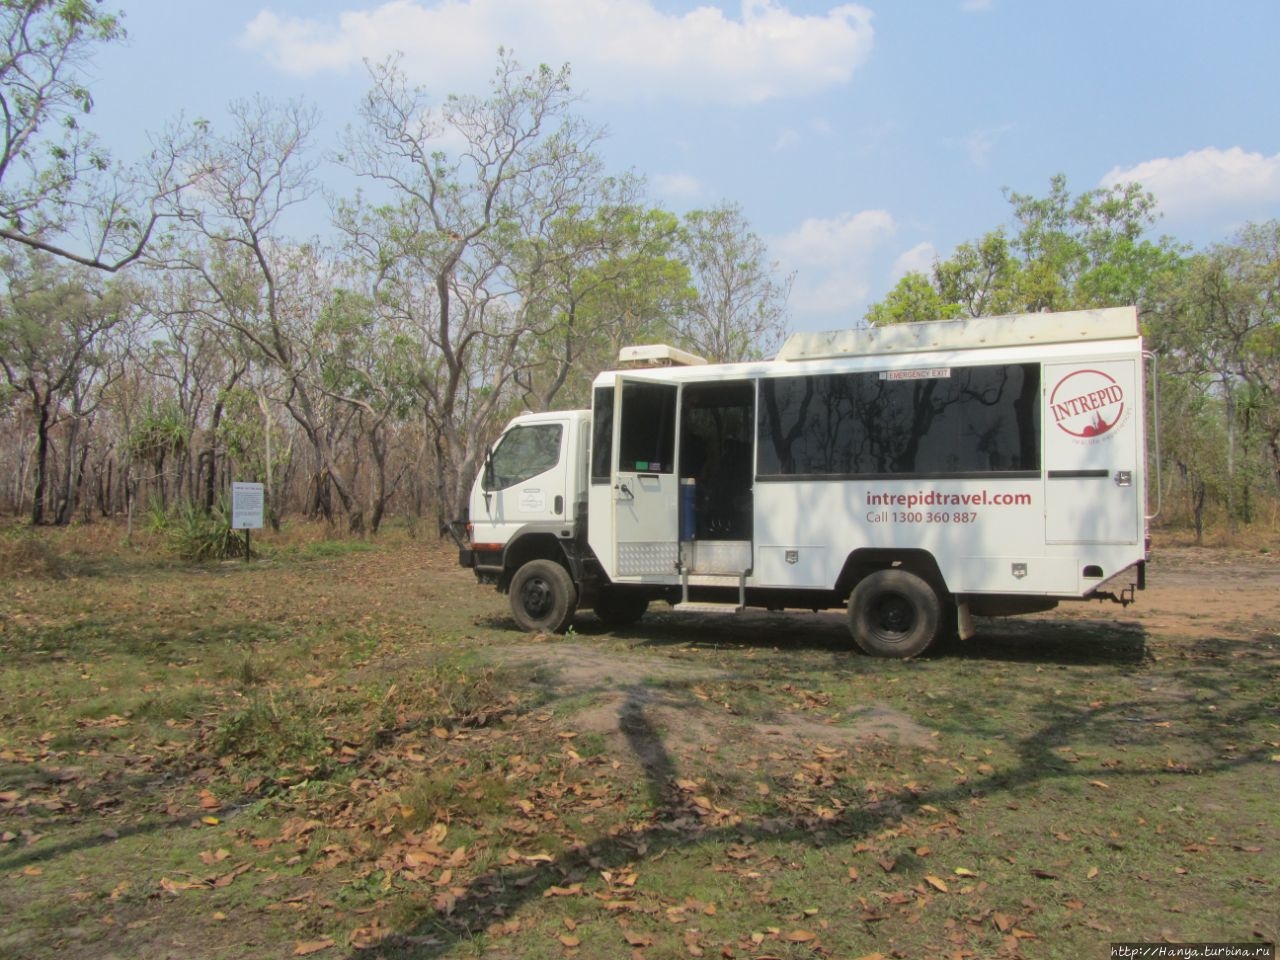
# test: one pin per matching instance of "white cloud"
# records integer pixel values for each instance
(786, 139)
(834, 261)
(676, 186)
(979, 144)
(919, 259)
(619, 49)
(1208, 181)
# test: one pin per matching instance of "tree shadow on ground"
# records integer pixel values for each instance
(675, 824)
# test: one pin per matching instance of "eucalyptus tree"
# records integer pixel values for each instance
(59, 192)
(597, 281)
(740, 311)
(367, 365)
(255, 281)
(1060, 252)
(461, 185)
(55, 321)
(194, 364)
(1219, 328)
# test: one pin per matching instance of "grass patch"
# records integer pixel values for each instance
(334, 746)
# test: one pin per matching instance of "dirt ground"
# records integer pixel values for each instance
(643, 706)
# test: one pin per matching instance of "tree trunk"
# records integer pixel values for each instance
(71, 473)
(41, 463)
(1198, 512)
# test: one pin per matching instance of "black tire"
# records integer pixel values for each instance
(620, 608)
(543, 597)
(894, 613)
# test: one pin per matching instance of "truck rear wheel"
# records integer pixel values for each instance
(894, 613)
(543, 597)
(620, 608)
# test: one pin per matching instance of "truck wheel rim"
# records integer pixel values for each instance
(894, 616)
(536, 597)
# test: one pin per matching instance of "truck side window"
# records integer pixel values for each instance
(523, 453)
(601, 434)
(648, 442)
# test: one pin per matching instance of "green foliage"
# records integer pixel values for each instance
(1059, 253)
(1216, 328)
(47, 162)
(199, 537)
(913, 299)
(273, 733)
(161, 432)
(740, 308)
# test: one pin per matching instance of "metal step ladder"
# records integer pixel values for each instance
(694, 606)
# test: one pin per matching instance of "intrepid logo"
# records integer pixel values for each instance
(1087, 403)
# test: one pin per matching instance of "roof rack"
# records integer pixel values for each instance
(1113, 323)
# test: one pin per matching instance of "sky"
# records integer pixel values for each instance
(860, 140)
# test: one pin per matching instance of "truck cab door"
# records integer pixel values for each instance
(1093, 462)
(524, 480)
(645, 484)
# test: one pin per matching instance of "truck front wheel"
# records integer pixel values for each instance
(894, 613)
(543, 597)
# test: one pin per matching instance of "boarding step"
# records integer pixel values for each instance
(695, 606)
(686, 605)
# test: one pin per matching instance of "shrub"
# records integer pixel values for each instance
(199, 536)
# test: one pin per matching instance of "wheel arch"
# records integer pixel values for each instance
(864, 561)
(535, 545)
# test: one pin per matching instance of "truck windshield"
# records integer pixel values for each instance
(523, 453)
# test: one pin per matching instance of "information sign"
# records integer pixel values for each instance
(246, 506)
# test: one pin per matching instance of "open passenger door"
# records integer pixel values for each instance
(645, 484)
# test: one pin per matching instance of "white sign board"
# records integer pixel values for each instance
(246, 506)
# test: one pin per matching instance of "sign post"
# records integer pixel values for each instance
(246, 510)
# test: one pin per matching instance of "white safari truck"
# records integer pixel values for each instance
(916, 475)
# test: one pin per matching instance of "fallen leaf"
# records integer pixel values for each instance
(637, 939)
(937, 883)
(304, 947)
(801, 936)
(569, 941)
(570, 891)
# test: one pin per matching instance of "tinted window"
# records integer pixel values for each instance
(648, 441)
(523, 453)
(601, 434)
(958, 421)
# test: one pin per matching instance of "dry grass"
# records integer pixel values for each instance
(347, 748)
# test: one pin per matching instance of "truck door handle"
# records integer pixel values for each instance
(624, 489)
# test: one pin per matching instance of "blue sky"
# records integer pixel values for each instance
(859, 139)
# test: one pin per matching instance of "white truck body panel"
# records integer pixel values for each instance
(1078, 521)
(990, 463)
